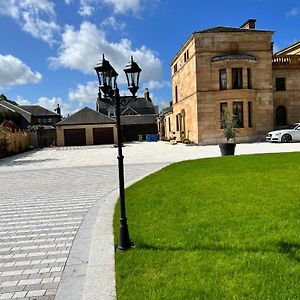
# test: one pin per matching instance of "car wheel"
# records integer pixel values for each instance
(286, 138)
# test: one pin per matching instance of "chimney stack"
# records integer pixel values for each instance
(250, 24)
(58, 110)
(147, 95)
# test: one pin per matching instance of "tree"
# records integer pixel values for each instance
(4, 98)
(9, 115)
(229, 124)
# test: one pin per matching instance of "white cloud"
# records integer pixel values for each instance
(51, 104)
(294, 12)
(155, 85)
(36, 17)
(81, 50)
(14, 72)
(22, 101)
(125, 6)
(86, 10)
(114, 24)
(87, 7)
(85, 93)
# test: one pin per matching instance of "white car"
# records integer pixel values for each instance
(291, 133)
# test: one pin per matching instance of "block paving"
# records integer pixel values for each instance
(40, 213)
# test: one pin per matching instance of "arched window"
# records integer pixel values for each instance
(281, 115)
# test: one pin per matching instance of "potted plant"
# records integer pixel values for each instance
(229, 125)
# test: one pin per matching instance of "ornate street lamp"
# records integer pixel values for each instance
(107, 77)
(132, 71)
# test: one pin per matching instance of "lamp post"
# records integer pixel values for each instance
(107, 77)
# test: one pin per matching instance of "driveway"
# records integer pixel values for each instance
(56, 212)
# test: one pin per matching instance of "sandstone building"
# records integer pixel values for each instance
(234, 69)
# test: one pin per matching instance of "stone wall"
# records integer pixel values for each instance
(290, 98)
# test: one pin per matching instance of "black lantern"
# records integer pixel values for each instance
(107, 77)
(132, 71)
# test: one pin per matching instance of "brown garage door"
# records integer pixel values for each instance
(75, 137)
(103, 136)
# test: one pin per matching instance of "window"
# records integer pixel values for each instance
(111, 112)
(175, 68)
(249, 78)
(169, 123)
(250, 114)
(237, 78)
(280, 84)
(49, 120)
(176, 94)
(237, 110)
(186, 55)
(223, 79)
(39, 120)
(223, 108)
(177, 122)
(281, 115)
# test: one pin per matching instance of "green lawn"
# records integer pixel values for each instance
(220, 228)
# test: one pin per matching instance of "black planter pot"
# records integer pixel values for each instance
(227, 149)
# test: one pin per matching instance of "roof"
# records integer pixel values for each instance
(37, 110)
(129, 108)
(218, 29)
(140, 105)
(17, 109)
(167, 110)
(138, 119)
(86, 116)
(6, 107)
(293, 49)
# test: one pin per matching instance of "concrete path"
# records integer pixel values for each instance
(56, 214)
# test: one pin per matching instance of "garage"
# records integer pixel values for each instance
(86, 127)
(75, 137)
(103, 136)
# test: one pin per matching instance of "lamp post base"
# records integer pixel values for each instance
(124, 240)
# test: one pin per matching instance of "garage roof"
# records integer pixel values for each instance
(86, 116)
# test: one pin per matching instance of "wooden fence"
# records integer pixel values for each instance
(13, 142)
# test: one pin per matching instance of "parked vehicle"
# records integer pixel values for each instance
(291, 133)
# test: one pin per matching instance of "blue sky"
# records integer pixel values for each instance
(49, 48)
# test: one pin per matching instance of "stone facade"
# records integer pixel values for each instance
(228, 68)
(286, 67)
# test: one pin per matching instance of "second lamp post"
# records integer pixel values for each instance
(107, 77)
